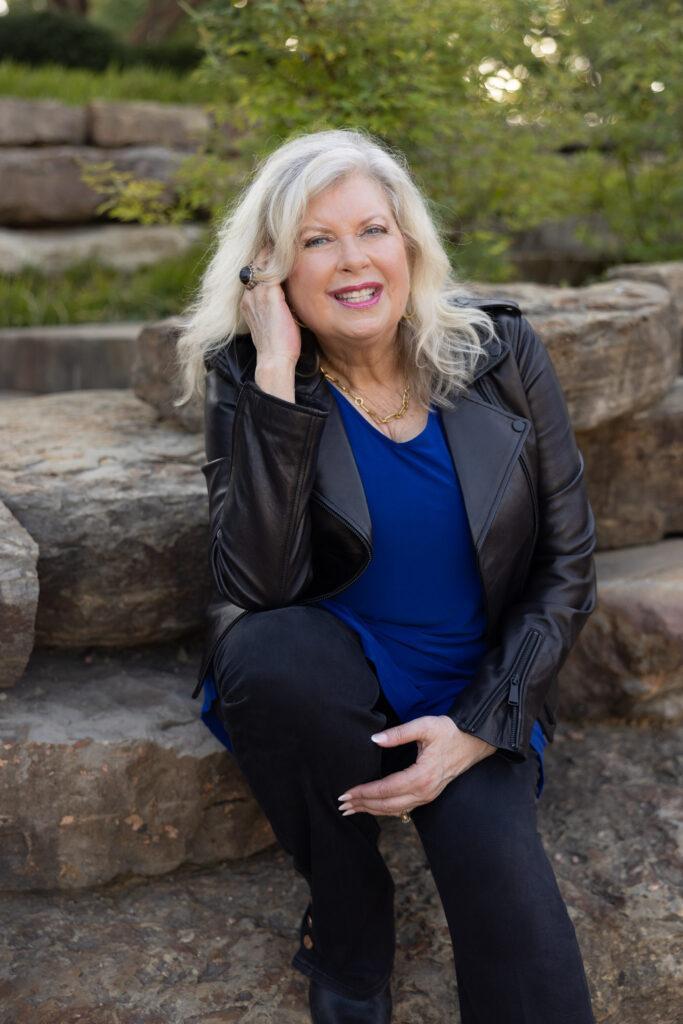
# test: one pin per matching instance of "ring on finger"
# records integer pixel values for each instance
(248, 277)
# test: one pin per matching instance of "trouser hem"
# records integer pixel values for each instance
(312, 970)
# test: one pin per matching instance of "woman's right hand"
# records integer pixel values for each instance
(274, 332)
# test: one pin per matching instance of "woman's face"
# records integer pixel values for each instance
(349, 238)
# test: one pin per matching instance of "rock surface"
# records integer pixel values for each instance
(615, 345)
(138, 123)
(633, 473)
(628, 660)
(44, 185)
(117, 503)
(40, 122)
(67, 358)
(106, 769)
(668, 274)
(120, 246)
(155, 374)
(213, 945)
(18, 597)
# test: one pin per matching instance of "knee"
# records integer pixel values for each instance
(283, 656)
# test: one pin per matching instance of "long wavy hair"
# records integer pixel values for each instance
(440, 341)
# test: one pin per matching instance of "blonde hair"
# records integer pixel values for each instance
(439, 340)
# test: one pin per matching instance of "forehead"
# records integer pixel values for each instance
(350, 200)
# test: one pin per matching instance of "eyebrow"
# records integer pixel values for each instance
(322, 227)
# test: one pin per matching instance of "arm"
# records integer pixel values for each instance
(262, 453)
(538, 631)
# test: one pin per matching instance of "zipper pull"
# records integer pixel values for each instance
(513, 696)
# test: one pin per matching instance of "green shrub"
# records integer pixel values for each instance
(178, 57)
(88, 293)
(78, 85)
(53, 37)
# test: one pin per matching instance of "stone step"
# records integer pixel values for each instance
(69, 357)
(615, 344)
(644, 447)
(45, 184)
(213, 944)
(18, 597)
(628, 660)
(119, 246)
(116, 501)
(107, 770)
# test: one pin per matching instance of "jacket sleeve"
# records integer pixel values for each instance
(262, 454)
(538, 630)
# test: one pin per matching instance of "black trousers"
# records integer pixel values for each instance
(300, 700)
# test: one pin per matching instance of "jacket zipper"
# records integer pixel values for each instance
(512, 681)
(518, 678)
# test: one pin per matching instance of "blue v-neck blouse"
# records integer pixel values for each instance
(419, 607)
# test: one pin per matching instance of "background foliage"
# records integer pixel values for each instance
(511, 113)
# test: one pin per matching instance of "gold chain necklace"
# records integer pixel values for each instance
(359, 400)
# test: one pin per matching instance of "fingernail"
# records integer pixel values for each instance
(344, 796)
(347, 812)
(379, 737)
(344, 807)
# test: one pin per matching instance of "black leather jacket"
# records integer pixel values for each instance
(289, 522)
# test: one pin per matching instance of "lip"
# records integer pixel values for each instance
(354, 287)
(359, 305)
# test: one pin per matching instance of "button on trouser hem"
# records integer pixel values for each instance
(301, 962)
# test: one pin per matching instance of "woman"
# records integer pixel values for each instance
(401, 545)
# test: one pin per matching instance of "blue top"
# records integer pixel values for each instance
(419, 607)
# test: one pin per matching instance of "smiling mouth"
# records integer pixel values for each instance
(360, 297)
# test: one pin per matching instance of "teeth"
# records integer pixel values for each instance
(359, 296)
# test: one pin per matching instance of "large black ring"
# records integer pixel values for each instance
(247, 276)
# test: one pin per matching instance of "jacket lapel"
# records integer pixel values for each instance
(480, 437)
(483, 443)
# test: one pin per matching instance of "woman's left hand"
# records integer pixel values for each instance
(444, 752)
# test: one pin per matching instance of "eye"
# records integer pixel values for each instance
(311, 243)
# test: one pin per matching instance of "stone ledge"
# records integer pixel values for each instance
(67, 357)
(107, 770)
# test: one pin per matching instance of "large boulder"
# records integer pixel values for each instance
(633, 473)
(120, 246)
(146, 123)
(107, 770)
(117, 503)
(155, 373)
(628, 661)
(67, 358)
(18, 597)
(668, 274)
(45, 185)
(40, 123)
(615, 345)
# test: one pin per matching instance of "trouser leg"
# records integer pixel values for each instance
(515, 947)
(298, 697)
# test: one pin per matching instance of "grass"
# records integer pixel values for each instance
(76, 85)
(88, 293)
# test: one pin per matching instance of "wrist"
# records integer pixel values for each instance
(276, 377)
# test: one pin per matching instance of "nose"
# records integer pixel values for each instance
(352, 255)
